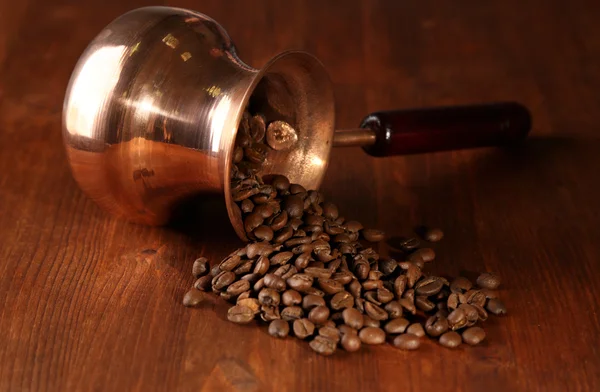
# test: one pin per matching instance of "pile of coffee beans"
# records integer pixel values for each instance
(310, 273)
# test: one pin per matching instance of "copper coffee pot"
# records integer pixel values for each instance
(153, 106)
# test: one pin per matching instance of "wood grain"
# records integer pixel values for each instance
(89, 302)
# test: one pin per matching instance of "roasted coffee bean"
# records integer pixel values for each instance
(290, 313)
(257, 127)
(223, 280)
(252, 278)
(475, 297)
(470, 313)
(300, 282)
(238, 287)
(200, 267)
(371, 296)
(263, 233)
(452, 302)
(262, 265)
(193, 298)
(314, 291)
(450, 339)
(279, 328)
(269, 297)
(433, 235)
(302, 261)
(473, 336)
(283, 235)
(259, 285)
(243, 193)
(264, 210)
(203, 283)
(416, 329)
(372, 335)
(315, 220)
(489, 294)
(269, 313)
(400, 285)
(303, 328)
(343, 277)
(407, 342)
(351, 342)
(332, 229)
(375, 312)
(330, 333)
(408, 304)
(369, 322)
(413, 273)
(240, 314)
(355, 288)
(247, 206)
(346, 329)
(387, 266)
(281, 136)
(406, 243)
(423, 303)
(371, 284)
(238, 154)
(397, 325)
(429, 286)
(244, 267)
(275, 282)
(496, 307)
(353, 226)
(361, 269)
(294, 206)
(457, 319)
(311, 301)
(258, 249)
(384, 295)
(255, 154)
(252, 221)
(418, 262)
(488, 281)
(230, 263)
(319, 315)
(215, 270)
(319, 273)
(323, 345)
(372, 235)
(436, 325)
(281, 183)
(291, 298)
(426, 254)
(281, 258)
(280, 221)
(394, 309)
(330, 286)
(342, 300)
(460, 285)
(330, 210)
(353, 318)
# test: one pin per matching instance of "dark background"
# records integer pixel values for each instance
(89, 302)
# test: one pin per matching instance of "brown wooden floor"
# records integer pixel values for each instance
(85, 306)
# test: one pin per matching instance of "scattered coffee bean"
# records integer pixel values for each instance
(200, 267)
(319, 315)
(372, 335)
(330, 333)
(450, 339)
(369, 322)
(323, 345)
(426, 254)
(279, 328)
(203, 283)
(473, 335)
(372, 235)
(416, 329)
(353, 318)
(290, 313)
(303, 328)
(397, 325)
(240, 314)
(351, 342)
(433, 235)
(488, 281)
(193, 298)
(291, 298)
(436, 325)
(496, 307)
(407, 342)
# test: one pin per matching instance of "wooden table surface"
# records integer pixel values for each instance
(90, 302)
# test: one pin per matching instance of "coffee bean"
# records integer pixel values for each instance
(193, 298)
(429, 286)
(215, 270)
(244, 267)
(353, 226)
(243, 193)
(230, 263)
(433, 235)
(283, 235)
(269, 313)
(353, 318)
(319, 314)
(470, 313)
(292, 313)
(223, 280)
(408, 304)
(372, 335)
(303, 328)
(496, 307)
(279, 221)
(452, 302)
(457, 319)
(343, 277)
(238, 287)
(240, 314)
(322, 345)
(387, 266)
(342, 300)
(416, 329)
(279, 328)
(300, 282)
(281, 258)
(331, 333)
(294, 206)
(311, 301)
(436, 325)
(258, 249)
(372, 235)
(426, 254)
(203, 283)
(375, 312)
(460, 285)
(263, 233)
(397, 325)
(314, 291)
(475, 297)
(275, 282)
(247, 206)
(346, 329)
(351, 342)
(489, 293)
(394, 309)
(407, 342)
(281, 183)
(291, 298)
(400, 285)
(372, 284)
(251, 303)
(424, 304)
(384, 295)
(413, 273)
(200, 267)
(330, 210)
(473, 336)
(450, 339)
(488, 281)
(269, 297)
(330, 286)
(319, 273)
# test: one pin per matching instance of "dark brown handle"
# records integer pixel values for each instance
(447, 128)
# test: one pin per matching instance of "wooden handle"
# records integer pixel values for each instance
(401, 132)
